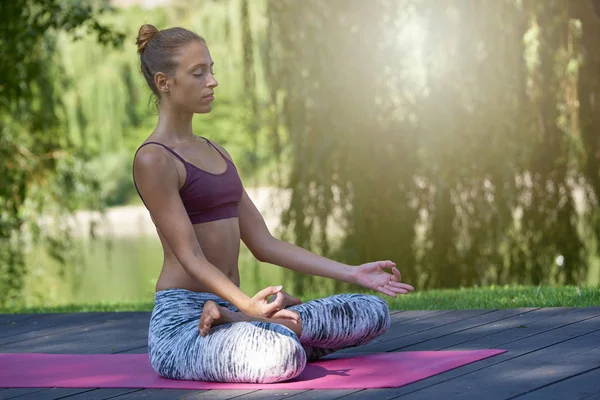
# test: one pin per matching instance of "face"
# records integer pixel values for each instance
(192, 87)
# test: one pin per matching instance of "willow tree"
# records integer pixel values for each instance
(588, 98)
(451, 153)
(39, 172)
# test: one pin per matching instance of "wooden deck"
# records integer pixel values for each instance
(552, 353)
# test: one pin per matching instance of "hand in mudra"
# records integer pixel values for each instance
(287, 301)
(261, 307)
(372, 276)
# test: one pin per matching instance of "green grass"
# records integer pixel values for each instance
(447, 299)
(499, 297)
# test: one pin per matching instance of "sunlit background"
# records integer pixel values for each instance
(459, 138)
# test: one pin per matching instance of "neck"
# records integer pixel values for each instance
(174, 124)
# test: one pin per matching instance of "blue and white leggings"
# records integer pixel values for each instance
(256, 352)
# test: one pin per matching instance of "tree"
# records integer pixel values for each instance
(39, 170)
(458, 161)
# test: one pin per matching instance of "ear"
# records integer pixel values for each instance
(162, 82)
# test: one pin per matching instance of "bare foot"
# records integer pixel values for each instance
(213, 315)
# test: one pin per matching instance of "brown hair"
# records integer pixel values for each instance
(158, 50)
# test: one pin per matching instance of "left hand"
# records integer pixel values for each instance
(287, 301)
(372, 276)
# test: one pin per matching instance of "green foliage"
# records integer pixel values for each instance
(40, 171)
(442, 137)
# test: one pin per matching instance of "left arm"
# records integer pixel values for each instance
(266, 248)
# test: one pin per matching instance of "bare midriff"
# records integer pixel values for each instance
(220, 243)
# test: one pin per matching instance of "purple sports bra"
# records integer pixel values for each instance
(207, 196)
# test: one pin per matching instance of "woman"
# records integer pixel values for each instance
(203, 327)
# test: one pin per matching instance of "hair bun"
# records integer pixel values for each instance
(146, 33)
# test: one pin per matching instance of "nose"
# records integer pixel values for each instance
(212, 82)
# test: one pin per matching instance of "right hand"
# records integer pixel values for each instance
(259, 305)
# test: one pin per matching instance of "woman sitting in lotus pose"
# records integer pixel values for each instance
(203, 327)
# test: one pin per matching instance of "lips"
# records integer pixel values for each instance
(209, 97)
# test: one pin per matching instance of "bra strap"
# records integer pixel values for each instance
(216, 148)
(160, 144)
(166, 147)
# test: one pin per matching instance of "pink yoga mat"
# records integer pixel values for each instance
(134, 371)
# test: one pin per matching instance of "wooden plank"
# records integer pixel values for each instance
(414, 316)
(59, 326)
(404, 341)
(134, 350)
(14, 317)
(15, 392)
(51, 394)
(217, 394)
(522, 374)
(153, 394)
(321, 394)
(114, 334)
(46, 322)
(532, 351)
(559, 370)
(582, 386)
(387, 341)
(268, 394)
(517, 340)
(519, 321)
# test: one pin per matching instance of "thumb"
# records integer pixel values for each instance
(266, 292)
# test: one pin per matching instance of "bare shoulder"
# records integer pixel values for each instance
(148, 155)
(153, 161)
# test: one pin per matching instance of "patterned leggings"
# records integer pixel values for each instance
(256, 352)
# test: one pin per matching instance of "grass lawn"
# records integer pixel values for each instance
(447, 299)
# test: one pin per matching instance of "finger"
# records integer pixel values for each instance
(385, 290)
(396, 284)
(408, 287)
(275, 305)
(291, 300)
(397, 274)
(400, 285)
(266, 292)
(288, 314)
(386, 264)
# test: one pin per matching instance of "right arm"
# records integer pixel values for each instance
(158, 183)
